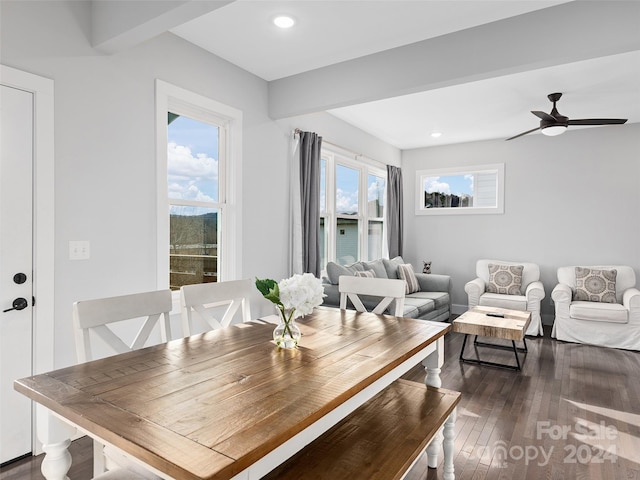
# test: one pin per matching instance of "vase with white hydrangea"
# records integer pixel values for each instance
(293, 297)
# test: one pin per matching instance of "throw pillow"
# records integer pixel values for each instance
(406, 273)
(595, 285)
(377, 267)
(505, 279)
(334, 270)
(366, 274)
(391, 266)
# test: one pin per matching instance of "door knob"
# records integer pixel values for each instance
(18, 304)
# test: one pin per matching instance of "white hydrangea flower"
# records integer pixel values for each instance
(302, 293)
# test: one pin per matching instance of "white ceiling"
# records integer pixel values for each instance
(329, 32)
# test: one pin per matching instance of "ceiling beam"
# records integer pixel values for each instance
(557, 35)
(119, 25)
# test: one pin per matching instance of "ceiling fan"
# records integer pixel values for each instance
(554, 123)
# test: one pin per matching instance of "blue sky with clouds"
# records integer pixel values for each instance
(192, 160)
(450, 184)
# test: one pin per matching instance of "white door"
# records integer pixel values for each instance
(16, 268)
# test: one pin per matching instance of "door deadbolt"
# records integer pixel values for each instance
(19, 278)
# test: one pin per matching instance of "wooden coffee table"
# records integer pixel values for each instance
(487, 322)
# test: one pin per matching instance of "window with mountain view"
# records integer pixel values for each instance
(193, 181)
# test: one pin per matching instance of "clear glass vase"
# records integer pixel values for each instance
(286, 334)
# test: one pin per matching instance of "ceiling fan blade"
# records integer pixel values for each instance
(524, 133)
(598, 121)
(544, 116)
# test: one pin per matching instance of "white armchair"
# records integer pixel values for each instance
(615, 325)
(527, 299)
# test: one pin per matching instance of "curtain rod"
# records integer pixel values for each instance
(356, 154)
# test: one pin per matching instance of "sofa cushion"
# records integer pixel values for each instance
(405, 272)
(513, 302)
(599, 312)
(366, 274)
(440, 299)
(420, 306)
(391, 266)
(594, 285)
(376, 266)
(505, 279)
(334, 271)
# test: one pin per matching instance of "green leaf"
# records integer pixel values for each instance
(269, 289)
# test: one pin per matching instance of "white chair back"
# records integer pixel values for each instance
(96, 315)
(390, 290)
(204, 299)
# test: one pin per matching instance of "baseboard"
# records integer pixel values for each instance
(458, 309)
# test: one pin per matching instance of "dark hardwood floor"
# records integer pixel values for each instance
(573, 412)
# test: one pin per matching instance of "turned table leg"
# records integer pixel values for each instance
(447, 445)
(55, 436)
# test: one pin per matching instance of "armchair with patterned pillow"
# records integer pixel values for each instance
(597, 305)
(513, 285)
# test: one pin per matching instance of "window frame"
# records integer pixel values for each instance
(178, 100)
(335, 156)
(495, 168)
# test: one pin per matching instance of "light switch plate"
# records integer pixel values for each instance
(79, 250)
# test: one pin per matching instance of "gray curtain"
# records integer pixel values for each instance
(310, 144)
(394, 210)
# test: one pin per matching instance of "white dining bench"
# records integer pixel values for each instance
(382, 439)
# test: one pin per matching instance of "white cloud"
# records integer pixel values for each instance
(470, 178)
(182, 163)
(346, 202)
(188, 191)
(433, 184)
(375, 192)
(185, 171)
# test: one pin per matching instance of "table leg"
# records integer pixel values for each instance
(492, 345)
(447, 445)
(55, 436)
(432, 449)
(433, 365)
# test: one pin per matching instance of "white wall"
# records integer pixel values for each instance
(569, 200)
(105, 182)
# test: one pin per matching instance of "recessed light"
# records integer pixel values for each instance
(284, 21)
(436, 134)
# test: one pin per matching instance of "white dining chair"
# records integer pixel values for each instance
(386, 289)
(93, 319)
(205, 301)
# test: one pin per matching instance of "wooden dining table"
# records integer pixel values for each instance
(228, 403)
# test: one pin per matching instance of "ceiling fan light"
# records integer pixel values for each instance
(553, 130)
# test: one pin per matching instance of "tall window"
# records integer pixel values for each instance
(195, 158)
(351, 209)
(199, 202)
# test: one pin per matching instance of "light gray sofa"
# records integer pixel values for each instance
(432, 302)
